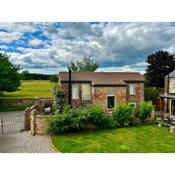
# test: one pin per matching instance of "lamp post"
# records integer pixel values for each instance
(70, 87)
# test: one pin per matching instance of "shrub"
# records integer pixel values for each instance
(97, 116)
(59, 98)
(70, 120)
(135, 122)
(78, 119)
(144, 111)
(123, 115)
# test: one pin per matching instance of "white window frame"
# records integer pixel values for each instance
(134, 89)
(111, 95)
(133, 103)
(75, 97)
(90, 95)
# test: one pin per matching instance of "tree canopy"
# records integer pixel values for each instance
(160, 64)
(86, 65)
(9, 76)
(26, 75)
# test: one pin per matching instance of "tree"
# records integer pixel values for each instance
(25, 75)
(86, 65)
(9, 76)
(151, 93)
(160, 64)
(54, 78)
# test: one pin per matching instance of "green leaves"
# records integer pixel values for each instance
(86, 65)
(78, 118)
(160, 64)
(9, 76)
(123, 115)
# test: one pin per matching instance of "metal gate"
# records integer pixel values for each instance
(11, 122)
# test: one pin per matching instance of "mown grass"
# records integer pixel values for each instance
(31, 89)
(143, 139)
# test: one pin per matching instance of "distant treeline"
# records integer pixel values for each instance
(25, 75)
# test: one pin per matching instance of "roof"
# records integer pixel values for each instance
(171, 74)
(103, 78)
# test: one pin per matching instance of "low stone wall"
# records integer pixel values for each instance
(22, 101)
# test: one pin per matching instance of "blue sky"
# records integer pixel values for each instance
(49, 47)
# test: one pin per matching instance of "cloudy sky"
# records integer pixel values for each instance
(49, 47)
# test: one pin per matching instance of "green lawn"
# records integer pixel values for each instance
(144, 139)
(31, 89)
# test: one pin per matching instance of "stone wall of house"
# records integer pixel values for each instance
(75, 102)
(100, 95)
(139, 96)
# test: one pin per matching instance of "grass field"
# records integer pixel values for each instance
(31, 89)
(144, 139)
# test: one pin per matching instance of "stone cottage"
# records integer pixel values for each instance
(103, 88)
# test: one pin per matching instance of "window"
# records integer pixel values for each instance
(132, 89)
(133, 104)
(86, 92)
(111, 101)
(74, 91)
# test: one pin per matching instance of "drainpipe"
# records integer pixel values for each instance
(70, 88)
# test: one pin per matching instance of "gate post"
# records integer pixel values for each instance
(2, 126)
(27, 119)
(32, 121)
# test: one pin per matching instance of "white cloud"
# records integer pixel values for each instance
(35, 42)
(9, 37)
(117, 46)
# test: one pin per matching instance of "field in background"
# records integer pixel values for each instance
(31, 89)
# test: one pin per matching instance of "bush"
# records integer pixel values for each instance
(97, 116)
(59, 98)
(70, 120)
(123, 115)
(78, 119)
(144, 111)
(135, 122)
(151, 93)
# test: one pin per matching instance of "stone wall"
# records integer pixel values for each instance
(75, 102)
(139, 96)
(22, 101)
(100, 95)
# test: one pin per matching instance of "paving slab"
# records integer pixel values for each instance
(24, 142)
